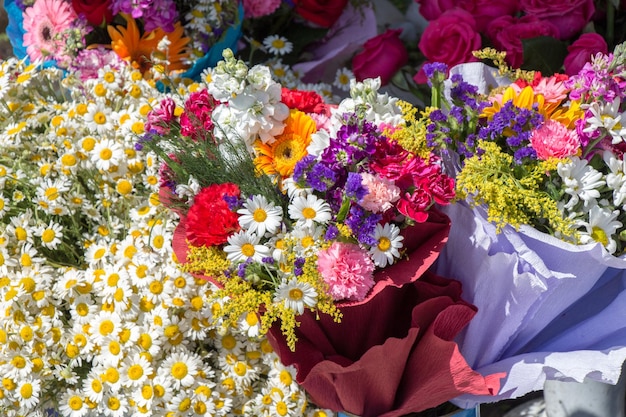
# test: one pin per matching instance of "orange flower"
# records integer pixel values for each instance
(132, 46)
(281, 156)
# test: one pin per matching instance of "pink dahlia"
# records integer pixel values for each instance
(553, 139)
(43, 22)
(348, 271)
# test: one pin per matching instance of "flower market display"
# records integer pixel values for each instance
(318, 224)
(309, 208)
(539, 168)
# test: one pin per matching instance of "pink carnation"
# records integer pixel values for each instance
(348, 271)
(259, 8)
(160, 117)
(553, 139)
(381, 193)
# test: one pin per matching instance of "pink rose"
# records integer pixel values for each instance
(507, 32)
(347, 269)
(581, 50)
(451, 38)
(382, 57)
(432, 9)
(259, 8)
(569, 16)
(484, 11)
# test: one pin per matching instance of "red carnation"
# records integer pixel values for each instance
(305, 101)
(210, 221)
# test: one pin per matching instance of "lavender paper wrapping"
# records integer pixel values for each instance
(547, 309)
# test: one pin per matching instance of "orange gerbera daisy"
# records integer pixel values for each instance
(132, 46)
(281, 156)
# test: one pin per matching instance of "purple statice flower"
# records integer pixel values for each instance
(302, 167)
(522, 154)
(332, 232)
(354, 187)
(363, 224)
(232, 201)
(268, 260)
(514, 125)
(161, 14)
(435, 69)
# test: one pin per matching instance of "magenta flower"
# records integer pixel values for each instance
(44, 23)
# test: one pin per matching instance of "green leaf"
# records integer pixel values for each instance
(545, 54)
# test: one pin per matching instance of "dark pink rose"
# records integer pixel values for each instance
(569, 16)
(382, 57)
(485, 11)
(507, 32)
(451, 38)
(581, 50)
(432, 9)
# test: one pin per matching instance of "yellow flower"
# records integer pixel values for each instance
(281, 156)
(525, 99)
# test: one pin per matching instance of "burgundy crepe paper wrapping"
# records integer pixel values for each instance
(393, 353)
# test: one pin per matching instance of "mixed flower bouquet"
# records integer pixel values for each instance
(539, 168)
(317, 221)
(97, 318)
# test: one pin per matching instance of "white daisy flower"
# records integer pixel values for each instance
(107, 154)
(342, 79)
(181, 368)
(27, 392)
(389, 243)
(601, 227)
(135, 370)
(73, 404)
(260, 216)
(607, 117)
(99, 119)
(581, 181)
(243, 246)
(296, 295)
(309, 210)
(278, 45)
(50, 235)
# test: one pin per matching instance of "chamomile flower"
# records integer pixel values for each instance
(388, 246)
(309, 210)
(135, 370)
(296, 295)
(50, 235)
(260, 216)
(601, 227)
(243, 246)
(73, 404)
(27, 392)
(342, 79)
(278, 45)
(106, 154)
(99, 118)
(181, 368)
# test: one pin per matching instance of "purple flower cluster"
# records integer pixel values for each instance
(453, 128)
(513, 125)
(596, 80)
(337, 174)
(155, 13)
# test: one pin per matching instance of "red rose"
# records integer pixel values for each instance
(210, 221)
(321, 12)
(581, 50)
(569, 16)
(507, 32)
(305, 101)
(450, 39)
(96, 12)
(382, 57)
